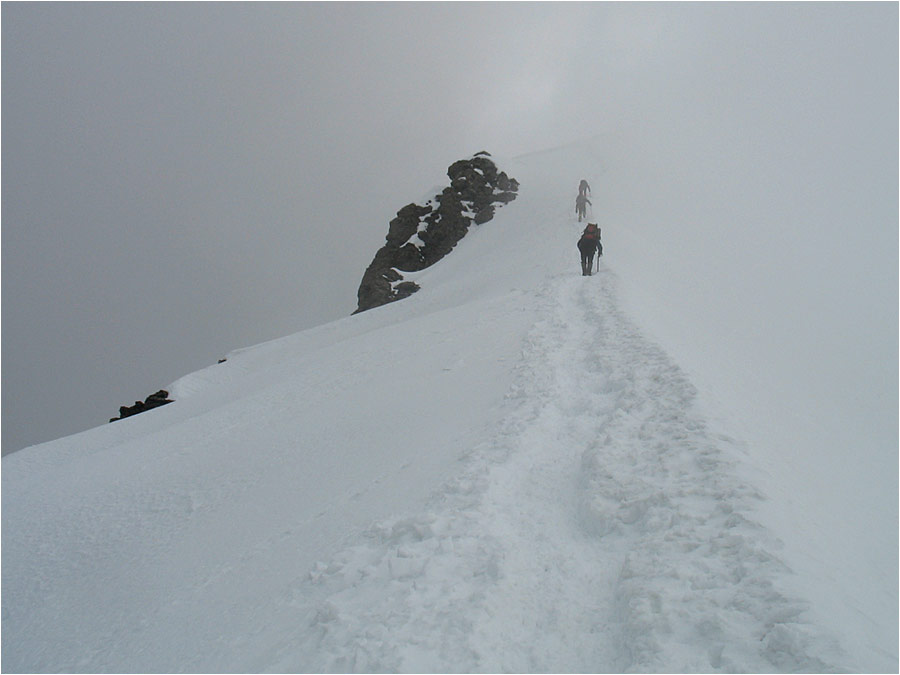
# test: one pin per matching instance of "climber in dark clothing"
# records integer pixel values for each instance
(588, 245)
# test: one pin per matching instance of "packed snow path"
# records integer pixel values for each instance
(601, 529)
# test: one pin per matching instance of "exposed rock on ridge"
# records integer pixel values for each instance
(421, 235)
(156, 400)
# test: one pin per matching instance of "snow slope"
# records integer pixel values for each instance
(500, 473)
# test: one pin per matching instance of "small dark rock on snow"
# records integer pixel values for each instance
(156, 400)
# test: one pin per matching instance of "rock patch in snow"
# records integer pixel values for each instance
(422, 235)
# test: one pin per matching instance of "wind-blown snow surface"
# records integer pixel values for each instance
(500, 473)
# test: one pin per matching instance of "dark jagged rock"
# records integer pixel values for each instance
(156, 400)
(421, 235)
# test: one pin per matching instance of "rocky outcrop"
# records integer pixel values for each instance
(421, 235)
(156, 400)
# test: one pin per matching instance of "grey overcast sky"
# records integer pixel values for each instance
(184, 179)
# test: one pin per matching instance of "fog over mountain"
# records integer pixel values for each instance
(181, 180)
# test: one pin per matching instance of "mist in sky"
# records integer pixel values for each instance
(181, 179)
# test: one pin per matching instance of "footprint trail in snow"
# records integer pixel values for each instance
(603, 528)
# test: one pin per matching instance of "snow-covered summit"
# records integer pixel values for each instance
(515, 469)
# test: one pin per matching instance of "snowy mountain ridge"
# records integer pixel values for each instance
(501, 472)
